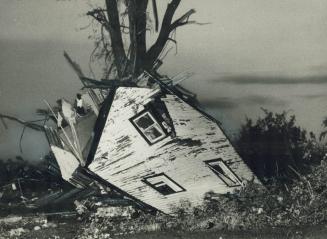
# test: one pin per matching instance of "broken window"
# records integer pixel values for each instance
(219, 167)
(149, 127)
(163, 184)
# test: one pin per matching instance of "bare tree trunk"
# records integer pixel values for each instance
(137, 24)
(116, 37)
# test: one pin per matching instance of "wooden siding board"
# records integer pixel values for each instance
(130, 158)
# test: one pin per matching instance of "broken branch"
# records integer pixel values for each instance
(183, 20)
(27, 124)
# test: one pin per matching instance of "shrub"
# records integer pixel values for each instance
(274, 146)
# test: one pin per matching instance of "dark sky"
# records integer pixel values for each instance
(253, 54)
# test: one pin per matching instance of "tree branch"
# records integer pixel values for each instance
(155, 50)
(27, 124)
(183, 20)
(155, 13)
(138, 58)
(99, 15)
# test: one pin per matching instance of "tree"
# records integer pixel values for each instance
(129, 61)
(275, 147)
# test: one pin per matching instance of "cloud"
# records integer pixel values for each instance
(262, 100)
(220, 102)
(269, 80)
(313, 96)
(252, 100)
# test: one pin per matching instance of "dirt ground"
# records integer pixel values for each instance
(304, 233)
(38, 226)
(42, 228)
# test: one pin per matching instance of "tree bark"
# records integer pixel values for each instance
(117, 45)
(155, 50)
(137, 25)
(155, 14)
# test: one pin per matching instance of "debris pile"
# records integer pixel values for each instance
(37, 226)
(23, 185)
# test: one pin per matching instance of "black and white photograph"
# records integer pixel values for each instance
(155, 119)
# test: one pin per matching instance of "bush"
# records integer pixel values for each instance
(274, 146)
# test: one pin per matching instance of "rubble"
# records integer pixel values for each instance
(17, 232)
(10, 219)
(115, 212)
(80, 208)
(37, 228)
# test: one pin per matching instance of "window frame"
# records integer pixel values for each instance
(226, 168)
(156, 120)
(145, 180)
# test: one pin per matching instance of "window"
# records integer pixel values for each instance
(148, 127)
(219, 167)
(163, 184)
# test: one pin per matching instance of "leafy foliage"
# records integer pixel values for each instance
(275, 147)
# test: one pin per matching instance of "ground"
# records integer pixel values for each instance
(318, 233)
(37, 226)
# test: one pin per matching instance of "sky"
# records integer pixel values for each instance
(252, 54)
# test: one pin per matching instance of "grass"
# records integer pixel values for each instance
(317, 232)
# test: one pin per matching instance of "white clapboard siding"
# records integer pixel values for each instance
(124, 158)
(67, 162)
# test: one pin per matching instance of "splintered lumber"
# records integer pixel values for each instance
(181, 77)
(76, 153)
(81, 75)
(69, 115)
(52, 137)
(74, 65)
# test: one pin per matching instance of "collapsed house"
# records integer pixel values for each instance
(148, 141)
